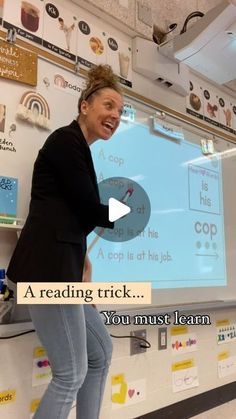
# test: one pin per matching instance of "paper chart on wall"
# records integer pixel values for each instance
(126, 393)
(226, 334)
(183, 343)
(41, 373)
(184, 376)
(60, 31)
(226, 365)
(33, 407)
(26, 17)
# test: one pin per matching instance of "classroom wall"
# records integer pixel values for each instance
(152, 377)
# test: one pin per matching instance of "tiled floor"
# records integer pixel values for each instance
(225, 411)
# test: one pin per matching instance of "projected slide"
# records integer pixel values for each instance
(183, 244)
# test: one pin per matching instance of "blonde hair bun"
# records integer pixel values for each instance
(100, 77)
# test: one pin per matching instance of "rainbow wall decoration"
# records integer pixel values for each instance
(34, 109)
(59, 80)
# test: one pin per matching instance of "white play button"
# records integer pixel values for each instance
(117, 209)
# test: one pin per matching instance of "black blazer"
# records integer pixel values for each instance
(65, 207)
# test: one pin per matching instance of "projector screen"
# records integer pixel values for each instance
(187, 249)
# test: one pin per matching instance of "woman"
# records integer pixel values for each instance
(64, 208)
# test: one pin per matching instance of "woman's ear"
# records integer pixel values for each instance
(84, 107)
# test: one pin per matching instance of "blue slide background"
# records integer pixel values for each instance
(183, 244)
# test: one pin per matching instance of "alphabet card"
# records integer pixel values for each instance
(211, 107)
(91, 44)
(26, 17)
(126, 393)
(119, 56)
(60, 25)
(234, 119)
(225, 114)
(194, 101)
(42, 373)
(184, 375)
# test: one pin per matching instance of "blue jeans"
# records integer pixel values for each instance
(79, 350)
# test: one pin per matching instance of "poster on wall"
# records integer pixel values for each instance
(91, 44)
(7, 143)
(8, 199)
(1, 11)
(119, 58)
(26, 17)
(59, 30)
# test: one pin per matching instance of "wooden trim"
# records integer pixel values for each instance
(43, 53)
(155, 105)
(195, 405)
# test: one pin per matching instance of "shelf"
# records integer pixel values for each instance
(15, 225)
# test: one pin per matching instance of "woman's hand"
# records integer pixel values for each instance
(87, 272)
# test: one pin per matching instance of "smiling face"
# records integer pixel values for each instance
(100, 117)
